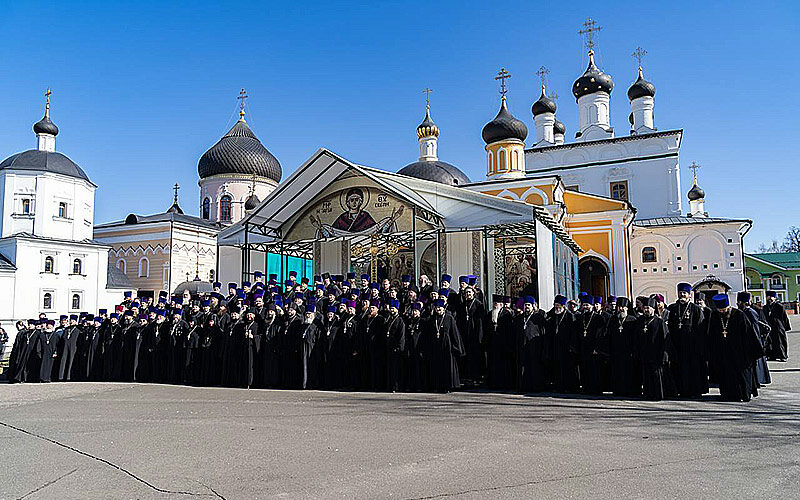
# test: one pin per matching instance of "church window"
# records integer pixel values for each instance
(649, 254)
(122, 266)
(47, 301)
(716, 265)
(515, 159)
(26, 206)
(76, 266)
(225, 208)
(62, 210)
(775, 280)
(501, 162)
(678, 257)
(206, 208)
(730, 240)
(694, 268)
(797, 278)
(619, 190)
(705, 266)
(144, 267)
(49, 265)
(490, 158)
(733, 265)
(680, 268)
(76, 301)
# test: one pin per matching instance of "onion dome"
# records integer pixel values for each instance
(45, 126)
(559, 128)
(504, 126)
(251, 202)
(436, 171)
(641, 88)
(696, 193)
(427, 128)
(593, 80)
(239, 152)
(543, 105)
(44, 161)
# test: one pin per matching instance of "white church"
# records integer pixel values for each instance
(49, 261)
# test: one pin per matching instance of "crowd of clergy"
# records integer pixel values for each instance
(345, 333)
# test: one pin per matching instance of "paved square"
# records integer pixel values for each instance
(110, 440)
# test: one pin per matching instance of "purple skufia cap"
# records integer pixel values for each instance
(417, 306)
(351, 303)
(375, 303)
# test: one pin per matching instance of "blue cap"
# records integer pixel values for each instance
(463, 279)
(355, 292)
(310, 308)
(331, 309)
(365, 276)
(233, 285)
(205, 303)
(128, 294)
(375, 302)
(245, 284)
(444, 291)
(258, 274)
(598, 299)
(320, 287)
(394, 303)
(439, 303)
(560, 299)
(241, 294)
(179, 300)
(587, 299)
(351, 276)
(447, 278)
(63, 316)
(293, 274)
(376, 286)
(299, 295)
(721, 300)
(417, 305)
(115, 315)
(472, 279)
(73, 316)
(406, 278)
(685, 287)
(273, 276)
(743, 297)
(217, 284)
(771, 293)
(529, 299)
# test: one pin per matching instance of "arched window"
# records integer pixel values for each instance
(47, 301)
(144, 267)
(122, 265)
(49, 264)
(62, 210)
(26, 206)
(206, 211)
(76, 301)
(648, 254)
(515, 160)
(501, 161)
(225, 208)
(76, 266)
(776, 279)
(491, 163)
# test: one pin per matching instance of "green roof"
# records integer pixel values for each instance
(789, 260)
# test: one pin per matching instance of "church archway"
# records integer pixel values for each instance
(593, 274)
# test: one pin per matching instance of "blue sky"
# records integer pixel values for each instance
(143, 89)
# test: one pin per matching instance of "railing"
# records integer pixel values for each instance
(779, 286)
(755, 286)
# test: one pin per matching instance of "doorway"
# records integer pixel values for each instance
(593, 274)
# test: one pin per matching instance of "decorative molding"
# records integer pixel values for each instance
(476, 253)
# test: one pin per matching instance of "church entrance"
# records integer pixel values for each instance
(593, 275)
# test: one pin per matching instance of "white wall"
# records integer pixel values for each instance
(544, 265)
(237, 187)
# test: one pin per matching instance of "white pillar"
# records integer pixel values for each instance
(46, 142)
(643, 114)
(544, 128)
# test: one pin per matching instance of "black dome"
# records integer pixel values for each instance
(696, 193)
(45, 126)
(251, 202)
(641, 88)
(239, 152)
(543, 105)
(504, 126)
(427, 128)
(559, 128)
(593, 80)
(437, 171)
(44, 161)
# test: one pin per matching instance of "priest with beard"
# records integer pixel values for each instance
(395, 347)
(92, 346)
(779, 324)
(589, 343)
(734, 349)
(756, 320)
(374, 333)
(157, 343)
(531, 347)
(330, 339)
(247, 337)
(69, 346)
(24, 345)
(271, 338)
(134, 335)
(230, 361)
(621, 331)
(349, 366)
(443, 347)
(415, 372)
(470, 318)
(687, 341)
(210, 333)
(303, 334)
(652, 352)
(500, 344)
(113, 338)
(559, 327)
(47, 350)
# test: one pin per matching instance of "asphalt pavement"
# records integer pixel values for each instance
(113, 440)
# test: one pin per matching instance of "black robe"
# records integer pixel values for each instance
(113, 347)
(779, 324)
(301, 340)
(189, 345)
(531, 351)
(761, 368)
(331, 341)
(734, 348)
(395, 352)
(470, 318)
(416, 377)
(249, 346)
(687, 348)
(500, 345)
(442, 348)
(69, 348)
(159, 352)
(626, 376)
(653, 357)
(591, 343)
(47, 352)
(20, 359)
(208, 344)
(230, 363)
(560, 331)
(133, 335)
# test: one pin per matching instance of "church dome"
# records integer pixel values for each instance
(251, 202)
(696, 193)
(239, 152)
(44, 161)
(427, 128)
(436, 171)
(543, 105)
(45, 126)
(593, 80)
(641, 88)
(559, 128)
(504, 126)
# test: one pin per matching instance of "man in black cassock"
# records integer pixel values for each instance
(113, 346)
(246, 335)
(734, 349)
(271, 337)
(230, 361)
(329, 340)
(415, 366)
(470, 318)
(442, 349)
(760, 369)
(624, 369)
(177, 333)
(559, 327)
(532, 349)
(652, 352)
(591, 344)
(302, 335)
(374, 329)
(395, 346)
(687, 341)
(133, 335)
(500, 344)
(69, 347)
(47, 350)
(92, 346)
(20, 351)
(779, 324)
(207, 346)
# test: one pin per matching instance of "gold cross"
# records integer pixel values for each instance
(694, 167)
(639, 54)
(590, 28)
(542, 74)
(427, 93)
(242, 97)
(502, 75)
(47, 98)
